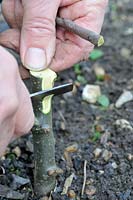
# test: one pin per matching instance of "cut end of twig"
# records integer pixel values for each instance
(100, 41)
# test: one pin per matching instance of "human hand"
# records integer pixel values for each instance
(41, 45)
(16, 114)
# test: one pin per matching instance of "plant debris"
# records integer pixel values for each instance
(67, 184)
(85, 176)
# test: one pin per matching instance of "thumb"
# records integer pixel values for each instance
(38, 33)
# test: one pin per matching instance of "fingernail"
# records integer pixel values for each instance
(35, 59)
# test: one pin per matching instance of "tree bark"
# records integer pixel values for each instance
(44, 145)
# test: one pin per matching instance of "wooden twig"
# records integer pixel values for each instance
(84, 182)
(84, 33)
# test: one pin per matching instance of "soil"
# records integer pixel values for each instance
(76, 121)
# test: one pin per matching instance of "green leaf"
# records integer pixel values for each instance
(96, 54)
(103, 100)
(97, 136)
(77, 69)
(81, 79)
(100, 78)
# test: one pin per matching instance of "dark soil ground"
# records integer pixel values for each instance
(109, 178)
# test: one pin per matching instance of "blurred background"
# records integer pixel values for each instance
(102, 130)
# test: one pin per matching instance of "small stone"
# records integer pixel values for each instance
(123, 124)
(114, 165)
(90, 190)
(125, 97)
(71, 194)
(125, 53)
(17, 151)
(130, 157)
(62, 126)
(106, 155)
(101, 172)
(91, 93)
(99, 71)
(128, 31)
(89, 181)
(97, 152)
